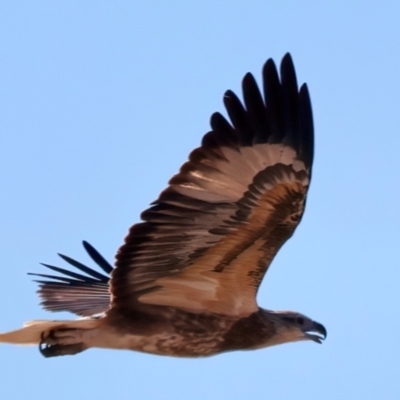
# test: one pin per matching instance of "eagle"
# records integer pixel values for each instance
(186, 278)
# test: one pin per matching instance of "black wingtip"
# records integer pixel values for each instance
(84, 294)
(306, 125)
(91, 274)
(287, 60)
(97, 257)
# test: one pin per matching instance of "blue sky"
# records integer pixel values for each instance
(101, 102)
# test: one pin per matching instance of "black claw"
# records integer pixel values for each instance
(54, 350)
(61, 350)
(41, 343)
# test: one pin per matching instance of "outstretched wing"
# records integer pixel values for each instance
(208, 240)
(84, 295)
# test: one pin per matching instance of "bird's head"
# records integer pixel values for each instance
(292, 326)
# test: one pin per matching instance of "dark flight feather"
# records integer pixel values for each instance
(207, 241)
(84, 295)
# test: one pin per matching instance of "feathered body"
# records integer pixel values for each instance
(186, 279)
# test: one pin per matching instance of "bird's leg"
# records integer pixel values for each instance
(61, 342)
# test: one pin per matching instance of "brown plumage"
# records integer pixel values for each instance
(186, 278)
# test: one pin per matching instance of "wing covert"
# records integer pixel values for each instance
(207, 241)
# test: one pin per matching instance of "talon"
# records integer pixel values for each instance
(62, 350)
(41, 343)
(53, 350)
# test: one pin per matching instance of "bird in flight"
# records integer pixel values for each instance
(185, 280)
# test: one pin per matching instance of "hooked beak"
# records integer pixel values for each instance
(316, 328)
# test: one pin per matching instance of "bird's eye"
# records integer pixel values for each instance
(300, 321)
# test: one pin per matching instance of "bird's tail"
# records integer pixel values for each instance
(32, 332)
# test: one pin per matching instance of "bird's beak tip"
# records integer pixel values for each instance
(318, 333)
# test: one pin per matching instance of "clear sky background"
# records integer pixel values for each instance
(101, 102)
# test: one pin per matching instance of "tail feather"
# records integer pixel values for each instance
(82, 294)
(31, 333)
